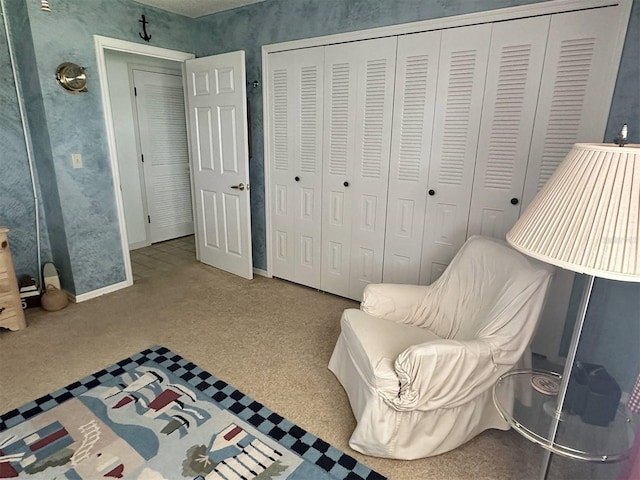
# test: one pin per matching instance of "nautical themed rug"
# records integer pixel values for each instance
(157, 416)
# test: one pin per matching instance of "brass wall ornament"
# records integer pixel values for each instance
(71, 77)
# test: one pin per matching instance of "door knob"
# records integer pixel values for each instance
(346, 184)
(297, 179)
(514, 201)
(431, 192)
(238, 187)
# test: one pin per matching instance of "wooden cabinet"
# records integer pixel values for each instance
(11, 313)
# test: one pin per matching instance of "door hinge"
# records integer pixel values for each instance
(149, 218)
(135, 92)
(142, 157)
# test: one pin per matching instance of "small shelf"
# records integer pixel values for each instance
(531, 413)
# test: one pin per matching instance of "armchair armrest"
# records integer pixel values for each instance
(443, 373)
(393, 302)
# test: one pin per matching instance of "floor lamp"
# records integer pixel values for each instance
(586, 219)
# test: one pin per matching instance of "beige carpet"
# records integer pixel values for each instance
(269, 338)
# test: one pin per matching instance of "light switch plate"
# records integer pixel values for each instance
(76, 160)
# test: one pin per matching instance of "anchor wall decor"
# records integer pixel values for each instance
(146, 37)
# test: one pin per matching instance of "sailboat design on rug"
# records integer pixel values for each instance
(154, 397)
(157, 416)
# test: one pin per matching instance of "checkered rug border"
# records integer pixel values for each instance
(309, 447)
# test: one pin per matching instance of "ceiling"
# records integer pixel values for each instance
(196, 8)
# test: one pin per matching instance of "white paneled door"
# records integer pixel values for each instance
(217, 110)
(164, 154)
(358, 111)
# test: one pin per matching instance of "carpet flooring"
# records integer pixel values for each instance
(269, 338)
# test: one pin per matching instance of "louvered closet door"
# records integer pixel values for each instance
(574, 93)
(164, 145)
(295, 109)
(414, 106)
(516, 58)
(359, 79)
(461, 78)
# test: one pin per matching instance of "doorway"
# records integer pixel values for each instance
(127, 176)
(219, 176)
(147, 104)
(161, 258)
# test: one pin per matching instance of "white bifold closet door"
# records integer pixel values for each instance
(415, 96)
(296, 82)
(358, 110)
(458, 109)
(516, 58)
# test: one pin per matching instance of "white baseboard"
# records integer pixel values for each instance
(260, 272)
(83, 297)
(135, 246)
(118, 286)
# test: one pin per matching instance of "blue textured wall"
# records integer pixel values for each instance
(611, 333)
(83, 223)
(17, 207)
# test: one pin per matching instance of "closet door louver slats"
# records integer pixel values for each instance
(572, 107)
(280, 110)
(513, 78)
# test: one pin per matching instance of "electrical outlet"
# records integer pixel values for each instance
(76, 160)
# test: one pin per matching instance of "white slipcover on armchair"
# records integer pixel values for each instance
(418, 363)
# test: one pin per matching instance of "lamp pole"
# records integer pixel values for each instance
(566, 374)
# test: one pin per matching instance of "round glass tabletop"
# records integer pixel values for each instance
(527, 401)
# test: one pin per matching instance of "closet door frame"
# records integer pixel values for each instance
(489, 16)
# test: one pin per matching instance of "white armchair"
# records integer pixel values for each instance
(418, 362)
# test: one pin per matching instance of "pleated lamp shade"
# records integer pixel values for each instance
(587, 217)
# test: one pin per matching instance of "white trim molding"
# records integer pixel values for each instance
(103, 44)
(487, 16)
(260, 272)
(83, 297)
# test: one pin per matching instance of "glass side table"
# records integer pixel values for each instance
(531, 413)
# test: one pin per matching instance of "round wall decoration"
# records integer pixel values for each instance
(71, 77)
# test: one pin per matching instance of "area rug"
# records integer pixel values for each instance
(157, 416)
